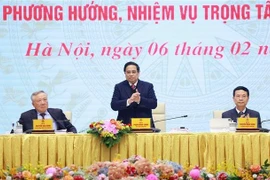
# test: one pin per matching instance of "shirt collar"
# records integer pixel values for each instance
(134, 83)
(241, 111)
(46, 112)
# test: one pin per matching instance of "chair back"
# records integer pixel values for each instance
(217, 113)
(68, 115)
(159, 114)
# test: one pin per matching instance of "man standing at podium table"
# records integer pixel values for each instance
(240, 98)
(41, 111)
(133, 98)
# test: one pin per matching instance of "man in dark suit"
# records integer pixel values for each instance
(241, 97)
(41, 111)
(133, 98)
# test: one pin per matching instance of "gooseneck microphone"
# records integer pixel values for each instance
(264, 129)
(167, 119)
(266, 120)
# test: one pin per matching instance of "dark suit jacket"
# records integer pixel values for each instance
(123, 91)
(58, 116)
(234, 115)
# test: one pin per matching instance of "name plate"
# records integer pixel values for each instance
(140, 123)
(42, 124)
(247, 123)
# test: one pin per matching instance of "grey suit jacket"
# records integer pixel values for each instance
(58, 116)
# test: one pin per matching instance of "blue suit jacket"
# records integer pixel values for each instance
(234, 115)
(26, 120)
(123, 91)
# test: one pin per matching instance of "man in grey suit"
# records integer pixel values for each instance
(240, 98)
(41, 111)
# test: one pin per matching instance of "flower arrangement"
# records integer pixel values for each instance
(110, 131)
(135, 168)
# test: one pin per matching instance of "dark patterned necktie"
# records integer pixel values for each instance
(43, 115)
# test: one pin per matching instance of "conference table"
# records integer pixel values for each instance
(203, 149)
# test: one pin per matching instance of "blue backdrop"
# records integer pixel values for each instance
(189, 84)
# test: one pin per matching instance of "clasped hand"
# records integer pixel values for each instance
(135, 97)
(244, 116)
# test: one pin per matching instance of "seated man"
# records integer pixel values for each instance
(41, 111)
(241, 97)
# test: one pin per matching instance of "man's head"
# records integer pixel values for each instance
(40, 101)
(241, 97)
(132, 72)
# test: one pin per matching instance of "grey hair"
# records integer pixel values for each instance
(36, 93)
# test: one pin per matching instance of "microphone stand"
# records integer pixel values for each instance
(264, 129)
(160, 120)
(267, 120)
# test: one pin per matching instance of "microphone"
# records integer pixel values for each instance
(264, 129)
(266, 120)
(167, 119)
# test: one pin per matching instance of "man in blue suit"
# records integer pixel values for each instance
(133, 98)
(41, 111)
(241, 97)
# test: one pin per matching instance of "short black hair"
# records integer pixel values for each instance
(241, 88)
(131, 63)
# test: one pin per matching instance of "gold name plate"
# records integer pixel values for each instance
(140, 123)
(247, 123)
(42, 124)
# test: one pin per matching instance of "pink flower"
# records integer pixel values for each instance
(194, 173)
(151, 177)
(108, 126)
(101, 177)
(51, 170)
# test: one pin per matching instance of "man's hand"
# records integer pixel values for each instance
(244, 116)
(135, 97)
